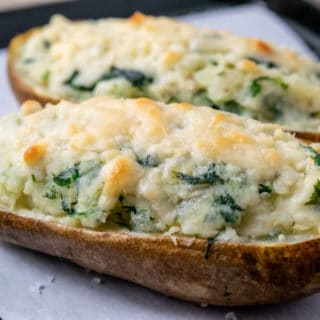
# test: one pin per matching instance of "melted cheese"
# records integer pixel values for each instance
(150, 167)
(170, 61)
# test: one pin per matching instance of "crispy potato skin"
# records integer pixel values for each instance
(234, 274)
(21, 89)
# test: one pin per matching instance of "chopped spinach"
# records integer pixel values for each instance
(121, 218)
(227, 207)
(149, 161)
(233, 106)
(68, 176)
(315, 197)
(209, 177)
(51, 194)
(47, 44)
(256, 87)
(267, 63)
(134, 218)
(68, 208)
(136, 78)
(263, 188)
(273, 110)
(314, 153)
(71, 83)
(46, 77)
(200, 98)
(210, 242)
(28, 60)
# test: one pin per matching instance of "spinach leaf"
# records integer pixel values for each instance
(71, 83)
(148, 162)
(256, 87)
(263, 188)
(47, 44)
(315, 155)
(68, 208)
(200, 98)
(272, 108)
(267, 63)
(136, 78)
(233, 106)
(209, 177)
(51, 194)
(68, 176)
(227, 207)
(315, 197)
(28, 60)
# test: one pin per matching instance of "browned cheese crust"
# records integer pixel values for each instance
(233, 274)
(24, 91)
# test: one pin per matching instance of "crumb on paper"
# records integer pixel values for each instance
(37, 288)
(203, 305)
(96, 280)
(230, 316)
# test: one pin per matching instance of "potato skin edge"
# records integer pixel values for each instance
(20, 88)
(234, 274)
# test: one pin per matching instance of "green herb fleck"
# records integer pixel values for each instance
(209, 177)
(148, 162)
(262, 188)
(267, 63)
(233, 106)
(33, 178)
(51, 194)
(68, 208)
(46, 77)
(136, 78)
(47, 44)
(315, 197)
(67, 177)
(227, 208)
(256, 87)
(28, 60)
(315, 155)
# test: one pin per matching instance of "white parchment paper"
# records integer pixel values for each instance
(34, 286)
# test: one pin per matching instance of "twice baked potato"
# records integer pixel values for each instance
(168, 61)
(192, 202)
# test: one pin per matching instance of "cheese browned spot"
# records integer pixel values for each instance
(144, 166)
(34, 153)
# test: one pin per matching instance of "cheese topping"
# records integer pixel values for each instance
(148, 167)
(171, 61)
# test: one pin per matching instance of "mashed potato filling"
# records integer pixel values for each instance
(142, 166)
(170, 61)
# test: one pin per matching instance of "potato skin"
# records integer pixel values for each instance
(20, 88)
(234, 273)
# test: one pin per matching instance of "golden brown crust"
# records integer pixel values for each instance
(21, 89)
(233, 274)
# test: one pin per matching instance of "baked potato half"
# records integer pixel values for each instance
(192, 202)
(78, 60)
(222, 274)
